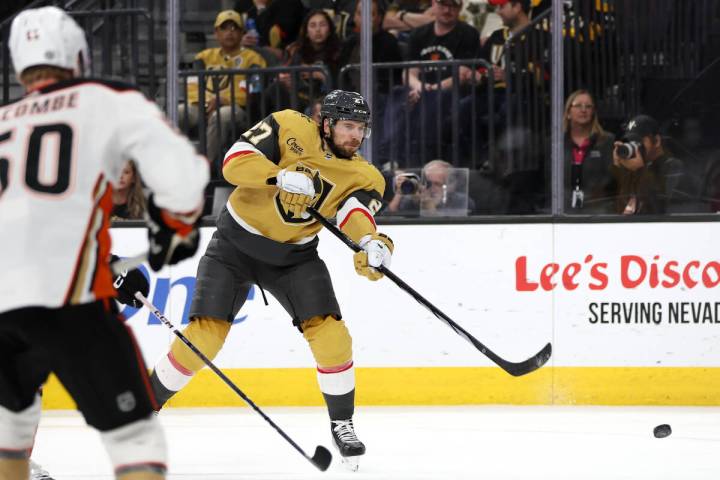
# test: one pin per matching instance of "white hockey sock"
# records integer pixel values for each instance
(337, 380)
(137, 446)
(17, 430)
(171, 374)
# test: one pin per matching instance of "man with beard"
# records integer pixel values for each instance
(265, 236)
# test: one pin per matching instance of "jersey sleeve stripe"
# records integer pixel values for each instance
(83, 287)
(242, 146)
(240, 149)
(363, 211)
(351, 206)
(235, 155)
(102, 285)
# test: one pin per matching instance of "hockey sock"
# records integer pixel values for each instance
(141, 476)
(14, 468)
(177, 368)
(338, 387)
(331, 346)
(340, 407)
(137, 450)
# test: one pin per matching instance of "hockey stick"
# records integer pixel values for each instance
(322, 457)
(515, 369)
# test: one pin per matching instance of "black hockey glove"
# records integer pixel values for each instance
(171, 239)
(129, 282)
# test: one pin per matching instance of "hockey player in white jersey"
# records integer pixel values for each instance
(62, 147)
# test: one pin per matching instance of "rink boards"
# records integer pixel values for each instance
(632, 312)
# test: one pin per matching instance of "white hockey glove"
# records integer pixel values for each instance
(298, 185)
(376, 250)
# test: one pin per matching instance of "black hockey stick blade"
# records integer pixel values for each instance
(322, 458)
(513, 368)
(529, 365)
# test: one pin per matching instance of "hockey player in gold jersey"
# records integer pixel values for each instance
(265, 236)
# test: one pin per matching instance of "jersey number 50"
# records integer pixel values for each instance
(33, 158)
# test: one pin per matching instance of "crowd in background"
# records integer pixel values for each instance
(482, 124)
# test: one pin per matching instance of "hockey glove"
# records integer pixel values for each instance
(129, 282)
(298, 185)
(172, 238)
(376, 250)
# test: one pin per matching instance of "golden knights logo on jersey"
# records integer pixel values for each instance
(322, 186)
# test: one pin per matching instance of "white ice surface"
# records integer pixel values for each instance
(414, 443)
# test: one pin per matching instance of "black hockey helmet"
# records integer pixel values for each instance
(344, 105)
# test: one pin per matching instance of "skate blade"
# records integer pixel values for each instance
(351, 463)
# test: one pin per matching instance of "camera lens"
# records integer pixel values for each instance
(409, 186)
(626, 150)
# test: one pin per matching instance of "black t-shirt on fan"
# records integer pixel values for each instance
(461, 42)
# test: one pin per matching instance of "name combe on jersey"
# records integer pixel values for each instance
(39, 106)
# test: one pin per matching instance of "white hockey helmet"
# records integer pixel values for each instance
(48, 36)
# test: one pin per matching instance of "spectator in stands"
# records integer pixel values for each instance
(590, 175)
(649, 173)
(428, 92)
(405, 15)
(341, 12)
(515, 15)
(219, 90)
(313, 110)
(438, 193)
(317, 44)
(529, 65)
(384, 49)
(277, 23)
(128, 197)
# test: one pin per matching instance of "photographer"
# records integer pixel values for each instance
(436, 192)
(649, 173)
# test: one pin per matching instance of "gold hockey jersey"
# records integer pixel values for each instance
(351, 189)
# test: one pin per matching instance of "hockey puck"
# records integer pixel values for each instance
(662, 431)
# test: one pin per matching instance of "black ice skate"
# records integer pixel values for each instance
(347, 442)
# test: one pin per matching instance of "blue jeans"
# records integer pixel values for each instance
(413, 135)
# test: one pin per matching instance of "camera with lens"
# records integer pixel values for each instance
(628, 150)
(408, 183)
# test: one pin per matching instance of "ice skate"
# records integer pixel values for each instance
(38, 473)
(347, 443)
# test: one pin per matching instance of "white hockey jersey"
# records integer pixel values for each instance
(61, 148)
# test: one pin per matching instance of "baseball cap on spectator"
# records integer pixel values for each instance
(640, 126)
(499, 3)
(228, 15)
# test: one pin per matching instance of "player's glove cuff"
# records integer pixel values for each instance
(171, 240)
(127, 283)
(377, 250)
